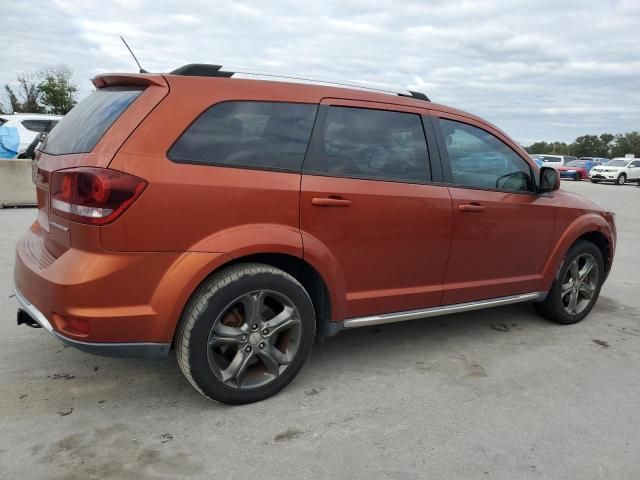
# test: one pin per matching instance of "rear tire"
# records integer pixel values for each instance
(622, 179)
(245, 333)
(560, 306)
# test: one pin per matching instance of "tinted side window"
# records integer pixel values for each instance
(36, 125)
(479, 159)
(374, 144)
(250, 134)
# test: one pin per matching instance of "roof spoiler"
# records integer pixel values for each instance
(128, 79)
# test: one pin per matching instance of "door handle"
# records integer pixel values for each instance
(472, 207)
(330, 202)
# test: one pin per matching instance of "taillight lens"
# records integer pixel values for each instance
(96, 196)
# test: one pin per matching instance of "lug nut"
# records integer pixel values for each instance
(265, 331)
(243, 338)
(254, 327)
(248, 349)
(261, 345)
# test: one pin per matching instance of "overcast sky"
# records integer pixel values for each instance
(540, 70)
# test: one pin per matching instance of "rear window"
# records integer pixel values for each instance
(271, 135)
(83, 127)
(370, 144)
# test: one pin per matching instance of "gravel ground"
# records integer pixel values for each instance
(491, 394)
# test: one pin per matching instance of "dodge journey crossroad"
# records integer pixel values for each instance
(238, 219)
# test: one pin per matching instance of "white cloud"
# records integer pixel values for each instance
(538, 69)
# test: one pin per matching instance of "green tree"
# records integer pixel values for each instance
(57, 89)
(587, 146)
(606, 140)
(626, 143)
(27, 97)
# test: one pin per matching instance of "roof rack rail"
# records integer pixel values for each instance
(207, 70)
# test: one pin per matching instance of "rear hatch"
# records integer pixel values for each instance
(88, 136)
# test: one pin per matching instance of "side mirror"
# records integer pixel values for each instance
(549, 179)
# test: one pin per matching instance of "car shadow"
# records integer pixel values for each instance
(100, 381)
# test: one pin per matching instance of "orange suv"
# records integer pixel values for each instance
(237, 220)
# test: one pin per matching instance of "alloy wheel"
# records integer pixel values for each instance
(254, 339)
(579, 284)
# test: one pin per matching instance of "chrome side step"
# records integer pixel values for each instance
(437, 311)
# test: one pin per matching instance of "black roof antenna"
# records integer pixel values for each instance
(142, 70)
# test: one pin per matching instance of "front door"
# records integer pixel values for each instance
(502, 230)
(368, 210)
(634, 170)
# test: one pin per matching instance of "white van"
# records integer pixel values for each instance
(554, 161)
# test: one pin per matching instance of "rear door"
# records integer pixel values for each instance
(369, 211)
(502, 229)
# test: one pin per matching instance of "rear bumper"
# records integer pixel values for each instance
(111, 349)
(108, 303)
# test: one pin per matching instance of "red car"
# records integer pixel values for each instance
(577, 169)
(238, 220)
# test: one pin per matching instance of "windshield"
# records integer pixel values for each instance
(617, 163)
(576, 163)
(83, 127)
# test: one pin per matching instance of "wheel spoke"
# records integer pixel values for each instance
(281, 322)
(237, 368)
(587, 290)
(573, 302)
(575, 273)
(587, 267)
(269, 360)
(566, 288)
(253, 303)
(281, 358)
(224, 335)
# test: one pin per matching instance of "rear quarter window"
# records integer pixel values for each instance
(83, 127)
(272, 135)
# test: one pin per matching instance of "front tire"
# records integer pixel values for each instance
(576, 289)
(595, 181)
(245, 333)
(622, 179)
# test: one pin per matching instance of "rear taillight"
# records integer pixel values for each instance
(96, 196)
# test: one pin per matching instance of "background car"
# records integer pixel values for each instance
(537, 161)
(17, 131)
(618, 170)
(554, 161)
(597, 160)
(577, 169)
